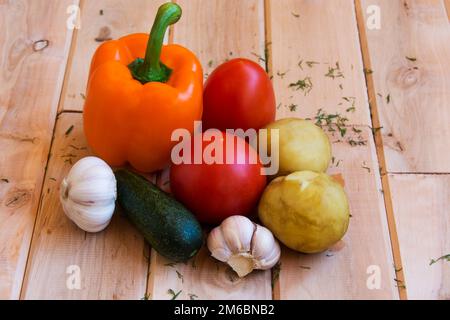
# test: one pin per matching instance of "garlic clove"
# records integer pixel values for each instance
(238, 232)
(217, 246)
(266, 249)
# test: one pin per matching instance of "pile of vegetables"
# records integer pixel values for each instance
(134, 104)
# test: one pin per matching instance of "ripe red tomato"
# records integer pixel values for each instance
(214, 192)
(238, 95)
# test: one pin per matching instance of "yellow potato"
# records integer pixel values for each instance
(307, 211)
(302, 146)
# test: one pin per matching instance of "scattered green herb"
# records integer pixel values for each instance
(210, 63)
(356, 130)
(355, 143)
(342, 131)
(331, 121)
(413, 59)
(400, 283)
(260, 58)
(293, 107)
(83, 96)
(279, 105)
(173, 294)
(192, 296)
(351, 100)
(300, 64)
(282, 74)
(68, 131)
(364, 166)
(375, 130)
(180, 276)
(351, 109)
(304, 85)
(305, 267)
(334, 72)
(311, 63)
(146, 297)
(397, 269)
(444, 257)
(276, 273)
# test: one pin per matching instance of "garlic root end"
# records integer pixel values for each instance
(242, 264)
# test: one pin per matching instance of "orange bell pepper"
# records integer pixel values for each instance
(133, 105)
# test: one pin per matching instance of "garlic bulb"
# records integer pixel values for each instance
(243, 245)
(88, 194)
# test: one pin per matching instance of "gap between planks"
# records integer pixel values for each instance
(380, 150)
(69, 63)
(447, 7)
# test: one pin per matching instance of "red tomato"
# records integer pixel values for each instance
(216, 191)
(238, 95)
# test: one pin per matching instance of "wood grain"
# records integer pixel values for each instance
(215, 31)
(343, 271)
(379, 148)
(119, 18)
(113, 264)
(423, 226)
(307, 39)
(34, 44)
(412, 96)
(447, 6)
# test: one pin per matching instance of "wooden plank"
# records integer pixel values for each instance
(423, 226)
(215, 31)
(447, 6)
(342, 271)
(112, 263)
(120, 18)
(34, 46)
(413, 95)
(317, 35)
(379, 148)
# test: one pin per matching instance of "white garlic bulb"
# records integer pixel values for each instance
(244, 245)
(88, 194)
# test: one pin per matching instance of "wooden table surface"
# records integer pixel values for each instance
(391, 82)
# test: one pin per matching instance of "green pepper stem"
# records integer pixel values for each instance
(151, 69)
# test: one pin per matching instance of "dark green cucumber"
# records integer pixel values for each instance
(166, 224)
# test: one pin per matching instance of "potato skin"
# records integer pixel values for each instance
(303, 146)
(306, 211)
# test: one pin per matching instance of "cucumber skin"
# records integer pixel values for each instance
(166, 224)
